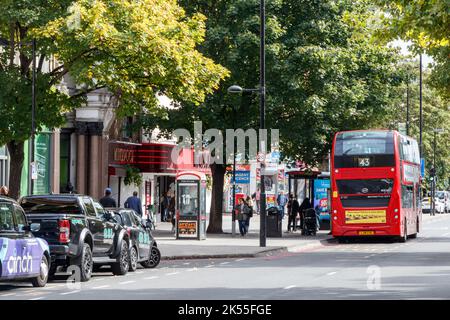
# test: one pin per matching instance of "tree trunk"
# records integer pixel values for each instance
(16, 154)
(215, 220)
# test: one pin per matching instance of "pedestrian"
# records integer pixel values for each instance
(282, 201)
(249, 202)
(258, 201)
(242, 215)
(4, 191)
(293, 209)
(107, 201)
(165, 207)
(172, 211)
(306, 204)
(134, 203)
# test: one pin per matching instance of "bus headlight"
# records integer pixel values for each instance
(336, 170)
(335, 218)
(395, 210)
(396, 217)
(334, 211)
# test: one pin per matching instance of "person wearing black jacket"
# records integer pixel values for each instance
(306, 204)
(107, 201)
(293, 209)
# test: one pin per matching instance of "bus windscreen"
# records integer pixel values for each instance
(364, 149)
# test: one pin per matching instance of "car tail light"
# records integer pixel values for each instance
(129, 231)
(64, 231)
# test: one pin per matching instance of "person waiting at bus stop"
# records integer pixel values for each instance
(306, 204)
(293, 210)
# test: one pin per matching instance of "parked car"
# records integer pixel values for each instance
(22, 256)
(426, 205)
(143, 247)
(79, 232)
(444, 197)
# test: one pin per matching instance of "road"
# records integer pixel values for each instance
(418, 269)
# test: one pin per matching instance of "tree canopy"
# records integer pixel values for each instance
(134, 49)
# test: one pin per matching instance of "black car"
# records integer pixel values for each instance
(143, 247)
(79, 232)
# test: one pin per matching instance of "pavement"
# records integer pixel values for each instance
(228, 246)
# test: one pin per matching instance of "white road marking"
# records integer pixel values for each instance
(70, 292)
(446, 234)
(172, 273)
(193, 269)
(38, 298)
(331, 273)
(222, 263)
(7, 295)
(126, 282)
(101, 287)
(139, 272)
(241, 259)
(187, 263)
(209, 266)
(152, 277)
(99, 279)
(289, 287)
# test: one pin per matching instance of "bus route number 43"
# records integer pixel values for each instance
(364, 162)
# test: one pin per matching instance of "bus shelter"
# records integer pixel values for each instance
(191, 205)
(313, 184)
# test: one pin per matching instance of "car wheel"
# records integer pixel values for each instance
(86, 263)
(42, 278)
(153, 260)
(120, 268)
(133, 259)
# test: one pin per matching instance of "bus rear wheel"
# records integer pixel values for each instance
(404, 238)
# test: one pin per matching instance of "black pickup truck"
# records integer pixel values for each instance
(79, 232)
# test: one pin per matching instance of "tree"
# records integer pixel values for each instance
(323, 75)
(435, 115)
(135, 49)
(427, 25)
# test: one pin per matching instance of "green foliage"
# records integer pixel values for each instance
(427, 25)
(133, 176)
(135, 49)
(323, 72)
(435, 115)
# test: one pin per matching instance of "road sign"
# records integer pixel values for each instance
(261, 157)
(242, 177)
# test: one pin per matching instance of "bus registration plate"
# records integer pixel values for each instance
(366, 233)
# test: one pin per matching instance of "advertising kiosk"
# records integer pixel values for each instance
(191, 205)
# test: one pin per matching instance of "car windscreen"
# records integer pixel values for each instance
(59, 205)
(364, 149)
(440, 194)
(6, 216)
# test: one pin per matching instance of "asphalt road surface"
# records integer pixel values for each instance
(418, 269)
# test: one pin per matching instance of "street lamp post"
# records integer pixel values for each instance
(433, 171)
(33, 120)
(262, 110)
(233, 216)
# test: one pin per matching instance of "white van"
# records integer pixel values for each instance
(444, 197)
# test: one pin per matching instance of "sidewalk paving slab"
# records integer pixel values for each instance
(226, 246)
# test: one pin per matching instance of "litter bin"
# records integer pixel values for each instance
(274, 223)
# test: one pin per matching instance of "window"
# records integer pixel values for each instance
(126, 219)
(136, 219)
(407, 196)
(6, 217)
(364, 149)
(90, 210)
(52, 204)
(99, 209)
(364, 143)
(64, 162)
(20, 219)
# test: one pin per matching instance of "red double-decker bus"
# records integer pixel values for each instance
(375, 184)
